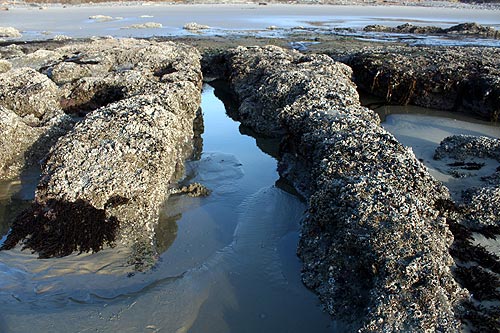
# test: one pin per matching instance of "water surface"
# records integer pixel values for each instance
(423, 129)
(240, 19)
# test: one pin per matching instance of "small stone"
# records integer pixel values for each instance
(10, 32)
(193, 26)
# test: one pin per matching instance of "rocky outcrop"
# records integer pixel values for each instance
(373, 245)
(105, 180)
(481, 206)
(476, 215)
(193, 26)
(467, 29)
(453, 78)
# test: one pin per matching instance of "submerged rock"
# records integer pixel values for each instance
(118, 162)
(147, 25)
(374, 247)
(193, 190)
(101, 18)
(452, 78)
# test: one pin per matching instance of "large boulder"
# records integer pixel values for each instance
(374, 247)
(30, 94)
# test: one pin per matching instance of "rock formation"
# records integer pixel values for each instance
(9, 32)
(468, 29)
(30, 119)
(452, 78)
(476, 215)
(373, 244)
(105, 180)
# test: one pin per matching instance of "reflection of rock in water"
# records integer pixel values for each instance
(166, 231)
(198, 129)
(226, 95)
(268, 145)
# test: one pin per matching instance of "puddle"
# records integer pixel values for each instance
(229, 263)
(423, 129)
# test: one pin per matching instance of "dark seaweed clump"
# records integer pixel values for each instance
(476, 269)
(59, 228)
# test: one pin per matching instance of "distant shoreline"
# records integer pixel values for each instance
(410, 3)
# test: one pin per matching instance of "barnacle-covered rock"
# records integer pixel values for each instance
(469, 28)
(446, 78)
(30, 94)
(373, 245)
(5, 66)
(30, 119)
(111, 172)
(480, 205)
(464, 147)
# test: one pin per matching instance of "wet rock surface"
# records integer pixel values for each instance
(373, 245)
(446, 78)
(139, 100)
(468, 29)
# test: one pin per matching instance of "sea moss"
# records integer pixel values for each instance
(58, 228)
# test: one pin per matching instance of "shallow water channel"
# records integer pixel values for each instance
(229, 262)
